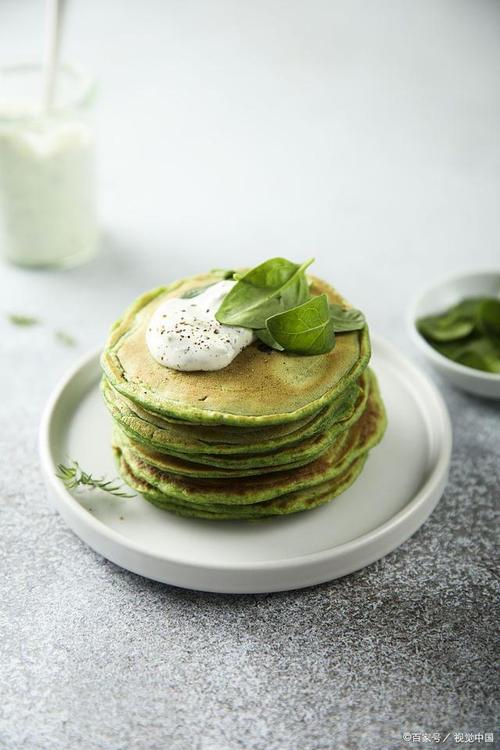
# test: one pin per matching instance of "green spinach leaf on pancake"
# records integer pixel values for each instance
(258, 388)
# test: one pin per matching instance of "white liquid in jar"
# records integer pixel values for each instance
(47, 192)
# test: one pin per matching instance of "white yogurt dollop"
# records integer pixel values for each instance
(183, 334)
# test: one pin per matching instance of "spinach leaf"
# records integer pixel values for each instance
(467, 333)
(450, 349)
(489, 318)
(266, 290)
(470, 358)
(481, 354)
(346, 319)
(306, 329)
(453, 324)
(265, 336)
(445, 328)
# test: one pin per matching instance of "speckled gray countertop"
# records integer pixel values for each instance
(366, 134)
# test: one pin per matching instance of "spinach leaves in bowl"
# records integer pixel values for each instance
(467, 333)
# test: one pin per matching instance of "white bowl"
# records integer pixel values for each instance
(436, 299)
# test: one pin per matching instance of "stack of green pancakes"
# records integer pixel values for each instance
(270, 434)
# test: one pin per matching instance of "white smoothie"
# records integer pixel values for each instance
(47, 190)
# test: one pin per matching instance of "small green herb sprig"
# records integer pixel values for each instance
(27, 321)
(73, 476)
(467, 333)
(22, 320)
(273, 299)
(65, 338)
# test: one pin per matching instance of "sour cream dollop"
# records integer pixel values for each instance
(183, 334)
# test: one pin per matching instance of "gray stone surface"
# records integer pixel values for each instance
(391, 182)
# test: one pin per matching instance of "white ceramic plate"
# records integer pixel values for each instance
(399, 487)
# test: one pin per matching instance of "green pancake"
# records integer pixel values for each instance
(299, 453)
(195, 439)
(177, 429)
(292, 502)
(259, 387)
(188, 468)
(362, 436)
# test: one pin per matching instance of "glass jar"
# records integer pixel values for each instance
(48, 212)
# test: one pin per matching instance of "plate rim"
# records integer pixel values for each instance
(424, 500)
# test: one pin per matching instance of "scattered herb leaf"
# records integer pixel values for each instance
(73, 476)
(22, 320)
(305, 329)
(65, 338)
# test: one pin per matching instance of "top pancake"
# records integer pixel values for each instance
(260, 386)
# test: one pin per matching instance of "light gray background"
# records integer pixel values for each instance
(364, 133)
